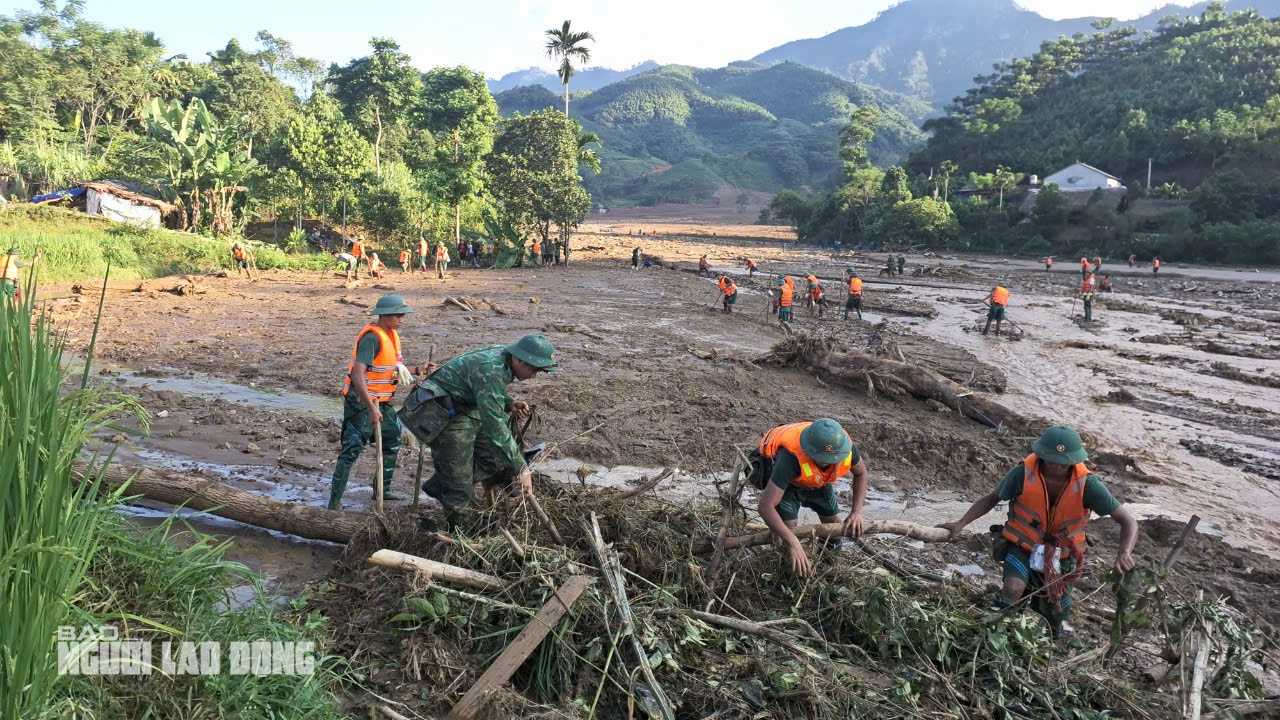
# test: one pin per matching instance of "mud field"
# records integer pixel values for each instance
(1175, 384)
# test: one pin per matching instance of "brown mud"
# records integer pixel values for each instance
(248, 377)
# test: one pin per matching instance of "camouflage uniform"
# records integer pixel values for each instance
(477, 442)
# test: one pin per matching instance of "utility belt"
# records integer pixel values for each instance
(426, 411)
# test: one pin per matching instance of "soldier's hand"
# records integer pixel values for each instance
(521, 407)
(375, 414)
(853, 525)
(526, 481)
(799, 559)
(1124, 562)
(952, 528)
(426, 369)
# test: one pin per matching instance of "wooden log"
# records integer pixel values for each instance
(435, 570)
(90, 288)
(833, 530)
(520, 649)
(457, 303)
(545, 519)
(645, 487)
(1176, 550)
(218, 499)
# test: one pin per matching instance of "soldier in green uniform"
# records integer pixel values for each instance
(902, 263)
(476, 442)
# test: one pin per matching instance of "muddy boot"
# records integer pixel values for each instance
(987, 327)
(997, 328)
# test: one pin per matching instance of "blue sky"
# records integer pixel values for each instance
(497, 36)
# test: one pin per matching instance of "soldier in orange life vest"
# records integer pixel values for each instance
(730, 292)
(1086, 294)
(1050, 495)
(1132, 259)
(815, 295)
(442, 260)
(10, 282)
(424, 252)
(1084, 267)
(405, 257)
(357, 252)
(376, 369)
(704, 268)
(1048, 263)
(786, 295)
(999, 299)
(1155, 267)
(798, 465)
(376, 266)
(535, 252)
(751, 268)
(854, 301)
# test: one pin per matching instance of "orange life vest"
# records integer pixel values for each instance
(537, 248)
(751, 263)
(812, 279)
(424, 248)
(1032, 516)
(1155, 263)
(10, 271)
(404, 257)
(381, 376)
(1086, 287)
(1000, 296)
(728, 288)
(238, 252)
(702, 261)
(788, 290)
(1084, 262)
(442, 255)
(855, 287)
(811, 474)
(1048, 261)
(815, 292)
(357, 249)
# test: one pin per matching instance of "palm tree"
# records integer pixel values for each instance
(569, 48)
(586, 155)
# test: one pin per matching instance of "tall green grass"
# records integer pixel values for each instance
(75, 246)
(48, 528)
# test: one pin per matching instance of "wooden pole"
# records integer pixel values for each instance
(833, 530)
(520, 649)
(435, 570)
(1176, 550)
(377, 479)
(546, 520)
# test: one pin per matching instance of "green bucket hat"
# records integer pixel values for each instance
(825, 442)
(1061, 446)
(782, 281)
(535, 350)
(390, 305)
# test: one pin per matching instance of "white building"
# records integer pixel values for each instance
(1082, 177)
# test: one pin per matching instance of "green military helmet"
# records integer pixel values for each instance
(849, 270)
(825, 442)
(535, 350)
(782, 280)
(1061, 446)
(390, 305)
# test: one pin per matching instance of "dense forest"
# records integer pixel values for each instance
(1198, 98)
(678, 134)
(255, 133)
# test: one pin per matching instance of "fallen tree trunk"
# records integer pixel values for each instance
(434, 570)
(90, 288)
(832, 530)
(869, 374)
(217, 499)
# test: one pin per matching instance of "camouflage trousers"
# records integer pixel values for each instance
(463, 457)
(357, 431)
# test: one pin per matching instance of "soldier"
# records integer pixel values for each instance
(475, 442)
(10, 283)
(902, 263)
(854, 301)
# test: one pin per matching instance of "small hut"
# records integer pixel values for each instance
(114, 200)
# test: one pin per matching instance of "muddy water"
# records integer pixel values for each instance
(1050, 379)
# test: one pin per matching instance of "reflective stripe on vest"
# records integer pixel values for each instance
(1000, 296)
(811, 474)
(1032, 518)
(380, 377)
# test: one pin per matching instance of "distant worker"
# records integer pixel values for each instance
(375, 371)
(10, 280)
(1042, 544)
(442, 260)
(535, 252)
(1104, 285)
(798, 465)
(1048, 264)
(240, 257)
(815, 296)
(1084, 267)
(375, 266)
(730, 293)
(348, 262)
(751, 268)
(424, 253)
(704, 268)
(889, 265)
(854, 301)
(1097, 265)
(359, 252)
(1086, 296)
(902, 263)
(1155, 267)
(999, 300)
(406, 263)
(635, 258)
(786, 295)
(475, 442)
(1132, 259)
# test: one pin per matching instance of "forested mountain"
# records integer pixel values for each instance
(1194, 97)
(932, 49)
(587, 79)
(679, 133)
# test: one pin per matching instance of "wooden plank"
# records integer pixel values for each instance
(520, 649)
(436, 570)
